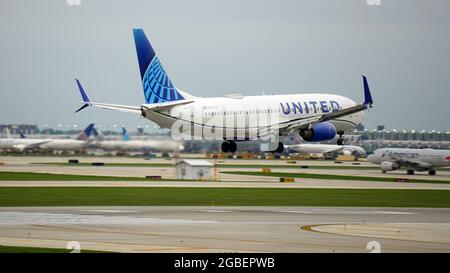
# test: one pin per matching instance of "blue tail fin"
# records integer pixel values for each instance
(86, 133)
(22, 135)
(125, 135)
(157, 85)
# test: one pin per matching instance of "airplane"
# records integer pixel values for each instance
(20, 144)
(24, 143)
(307, 148)
(421, 160)
(126, 144)
(315, 117)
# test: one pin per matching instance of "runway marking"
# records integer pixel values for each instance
(395, 212)
(295, 211)
(34, 218)
(384, 231)
(107, 210)
(211, 210)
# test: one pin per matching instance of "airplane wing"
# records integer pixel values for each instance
(165, 105)
(36, 144)
(412, 163)
(303, 123)
(117, 107)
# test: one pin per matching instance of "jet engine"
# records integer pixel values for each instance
(319, 132)
(389, 166)
(19, 147)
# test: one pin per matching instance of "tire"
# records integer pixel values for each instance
(280, 147)
(225, 147)
(340, 142)
(410, 172)
(432, 172)
(232, 146)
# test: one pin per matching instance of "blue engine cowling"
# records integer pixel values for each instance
(319, 132)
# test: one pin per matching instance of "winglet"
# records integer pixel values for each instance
(83, 95)
(367, 96)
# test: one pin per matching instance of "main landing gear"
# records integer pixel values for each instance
(430, 172)
(280, 148)
(340, 140)
(229, 146)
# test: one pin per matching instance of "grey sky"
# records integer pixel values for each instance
(214, 48)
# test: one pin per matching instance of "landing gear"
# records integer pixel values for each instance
(340, 140)
(410, 172)
(229, 146)
(280, 148)
(432, 172)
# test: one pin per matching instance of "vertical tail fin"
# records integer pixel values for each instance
(86, 133)
(125, 135)
(156, 83)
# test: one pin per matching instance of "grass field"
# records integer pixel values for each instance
(337, 177)
(111, 196)
(29, 176)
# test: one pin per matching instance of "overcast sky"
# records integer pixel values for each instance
(214, 48)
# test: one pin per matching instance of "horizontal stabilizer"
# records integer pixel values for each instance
(117, 107)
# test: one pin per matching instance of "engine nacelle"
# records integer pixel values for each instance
(389, 166)
(319, 132)
(19, 147)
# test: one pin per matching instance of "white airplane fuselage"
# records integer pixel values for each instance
(64, 144)
(42, 144)
(391, 159)
(435, 158)
(307, 148)
(240, 114)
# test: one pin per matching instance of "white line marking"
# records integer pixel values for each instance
(394, 212)
(107, 210)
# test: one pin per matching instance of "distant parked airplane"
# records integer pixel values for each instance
(308, 148)
(24, 143)
(163, 145)
(421, 160)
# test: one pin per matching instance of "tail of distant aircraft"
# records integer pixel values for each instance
(125, 135)
(155, 81)
(86, 133)
(22, 135)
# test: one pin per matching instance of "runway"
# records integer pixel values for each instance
(228, 229)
